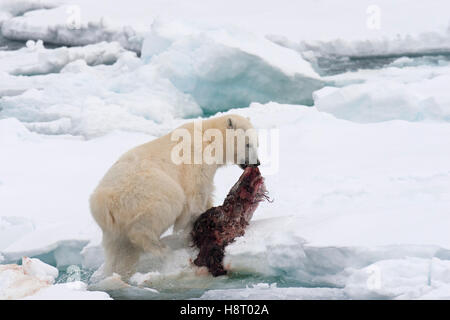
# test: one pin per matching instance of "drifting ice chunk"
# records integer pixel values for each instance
(264, 291)
(123, 96)
(379, 101)
(35, 59)
(184, 74)
(113, 282)
(230, 68)
(20, 281)
(13, 131)
(14, 284)
(219, 226)
(13, 228)
(34, 279)
(92, 256)
(53, 26)
(37, 268)
(76, 290)
(59, 245)
(392, 45)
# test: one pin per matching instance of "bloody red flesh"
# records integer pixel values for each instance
(219, 226)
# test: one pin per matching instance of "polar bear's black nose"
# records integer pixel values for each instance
(247, 164)
(254, 164)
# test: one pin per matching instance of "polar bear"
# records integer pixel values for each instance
(145, 191)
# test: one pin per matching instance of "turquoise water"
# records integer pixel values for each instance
(186, 287)
(232, 281)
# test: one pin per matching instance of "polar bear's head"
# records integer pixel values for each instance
(243, 137)
(240, 140)
(219, 140)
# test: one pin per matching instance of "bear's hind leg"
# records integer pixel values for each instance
(146, 229)
(145, 232)
(156, 203)
(121, 256)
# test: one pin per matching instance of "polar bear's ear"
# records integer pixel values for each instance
(230, 124)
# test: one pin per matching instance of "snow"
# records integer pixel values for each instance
(381, 101)
(264, 291)
(68, 291)
(408, 278)
(188, 69)
(4, 16)
(408, 89)
(229, 68)
(422, 27)
(19, 7)
(50, 221)
(63, 28)
(15, 284)
(92, 101)
(35, 59)
(95, 89)
(34, 279)
(286, 60)
(322, 229)
(309, 20)
(13, 228)
(422, 43)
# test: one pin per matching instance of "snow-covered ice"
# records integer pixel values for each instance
(56, 26)
(362, 187)
(76, 290)
(77, 100)
(19, 7)
(192, 74)
(265, 291)
(33, 279)
(406, 89)
(224, 68)
(15, 283)
(35, 59)
(327, 24)
(324, 225)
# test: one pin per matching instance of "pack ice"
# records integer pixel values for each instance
(334, 226)
(361, 185)
(97, 88)
(33, 279)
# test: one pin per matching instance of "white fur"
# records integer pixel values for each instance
(144, 193)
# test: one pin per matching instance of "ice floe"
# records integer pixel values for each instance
(361, 186)
(94, 89)
(34, 279)
(229, 68)
(56, 26)
(409, 92)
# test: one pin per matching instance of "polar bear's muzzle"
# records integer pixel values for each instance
(247, 164)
